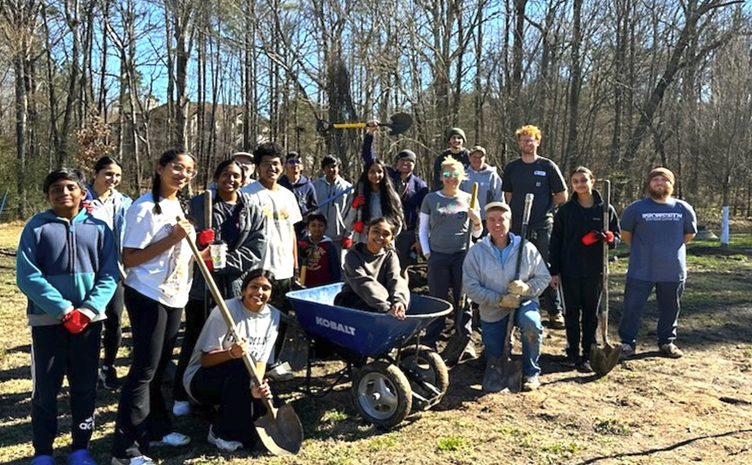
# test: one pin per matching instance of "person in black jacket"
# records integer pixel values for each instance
(576, 255)
(237, 220)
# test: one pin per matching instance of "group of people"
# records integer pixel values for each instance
(278, 230)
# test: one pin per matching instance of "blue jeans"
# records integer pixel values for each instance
(668, 297)
(528, 319)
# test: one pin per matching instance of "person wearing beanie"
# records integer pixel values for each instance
(411, 190)
(532, 173)
(456, 139)
(657, 229)
(301, 186)
(332, 186)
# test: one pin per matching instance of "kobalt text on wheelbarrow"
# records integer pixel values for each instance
(391, 373)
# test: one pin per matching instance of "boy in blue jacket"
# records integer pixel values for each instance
(67, 268)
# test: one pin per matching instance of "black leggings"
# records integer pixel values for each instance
(112, 334)
(581, 296)
(195, 317)
(142, 414)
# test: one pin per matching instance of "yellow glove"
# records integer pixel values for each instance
(519, 287)
(510, 301)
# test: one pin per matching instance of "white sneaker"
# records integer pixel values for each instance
(140, 460)
(181, 408)
(222, 444)
(173, 439)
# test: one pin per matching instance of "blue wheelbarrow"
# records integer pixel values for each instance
(393, 374)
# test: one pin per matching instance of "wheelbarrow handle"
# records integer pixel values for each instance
(247, 359)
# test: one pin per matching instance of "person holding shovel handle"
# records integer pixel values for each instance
(489, 279)
(576, 255)
(236, 225)
(216, 374)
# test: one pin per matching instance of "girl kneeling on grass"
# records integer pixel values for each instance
(372, 274)
(216, 374)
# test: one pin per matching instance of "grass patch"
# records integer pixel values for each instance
(450, 444)
(610, 426)
(562, 449)
(382, 442)
(334, 416)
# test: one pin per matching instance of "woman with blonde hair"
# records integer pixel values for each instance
(445, 221)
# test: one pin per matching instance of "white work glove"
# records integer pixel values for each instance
(510, 301)
(520, 287)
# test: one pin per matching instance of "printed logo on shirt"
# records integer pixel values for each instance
(314, 258)
(662, 216)
(458, 209)
(272, 214)
(539, 173)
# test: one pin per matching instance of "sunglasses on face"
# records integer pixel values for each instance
(293, 162)
(451, 174)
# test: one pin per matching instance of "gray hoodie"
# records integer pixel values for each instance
(485, 278)
(489, 186)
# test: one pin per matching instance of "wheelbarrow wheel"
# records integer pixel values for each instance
(382, 394)
(432, 373)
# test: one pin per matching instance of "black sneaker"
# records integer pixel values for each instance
(108, 378)
(570, 361)
(583, 366)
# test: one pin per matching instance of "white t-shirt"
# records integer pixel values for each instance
(167, 277)
(260, 328)
(281, 210)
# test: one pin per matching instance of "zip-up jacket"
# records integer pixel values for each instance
(489, 186)
(243, 255)
(65, 265)
(304, 192)
(120, 202)
(567, 254)
(486, 273)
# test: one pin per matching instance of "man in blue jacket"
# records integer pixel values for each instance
(67, 268)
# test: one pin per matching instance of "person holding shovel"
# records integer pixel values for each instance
(657, 229)
(216, 374)
(576, 256)
(237, 224)
(489, 279)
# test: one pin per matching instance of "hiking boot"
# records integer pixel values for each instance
(530, 383)
(583, 365)
(140, 460)
(671, 351)
(173, 439)
(627, 351)
(556, 321)
(222, 444)
(81, 457)
(181, 408)
(108, 378)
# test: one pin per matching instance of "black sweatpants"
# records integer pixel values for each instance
(549, 300)
(229, 386)
(194, 323)
(113, 333)
(56, 353)
(581, 297)
(142, 413)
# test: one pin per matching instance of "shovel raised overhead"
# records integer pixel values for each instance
(399, 123)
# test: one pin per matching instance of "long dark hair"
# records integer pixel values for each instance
(227, 163)
(164, 159)
(391, 205)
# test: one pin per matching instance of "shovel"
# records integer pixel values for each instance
(279, 430)
(400, 122)
(511, 370)
(604, 359)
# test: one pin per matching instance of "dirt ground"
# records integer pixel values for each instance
(649, 410)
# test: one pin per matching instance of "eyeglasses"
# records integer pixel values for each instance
(293, 162)
(177, 168)
(452, 174)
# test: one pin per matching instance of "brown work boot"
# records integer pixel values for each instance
(556, 321)
(671, 351)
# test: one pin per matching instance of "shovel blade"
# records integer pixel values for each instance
(401, 122)
(294, 348)
(281, 434)
(604, 359)
(511, 375)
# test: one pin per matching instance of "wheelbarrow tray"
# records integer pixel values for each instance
(368, 334)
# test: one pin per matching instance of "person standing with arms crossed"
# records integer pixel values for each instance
(657, 229)
(532, 173)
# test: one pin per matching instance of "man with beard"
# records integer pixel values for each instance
(657, 229)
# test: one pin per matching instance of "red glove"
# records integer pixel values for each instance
(590, 238)
(359, 201)
(359, 227)
(346, 242)
(87, 205)
(75, 321)
(205, 237)
(303, 244)
(607, 236)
